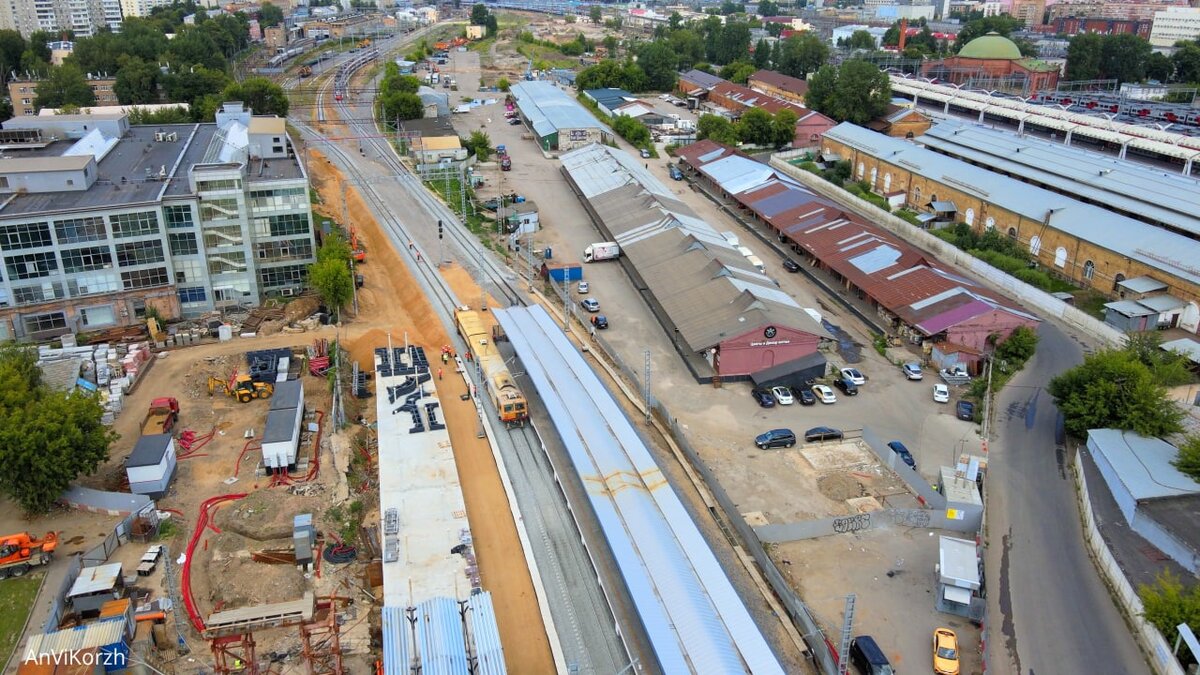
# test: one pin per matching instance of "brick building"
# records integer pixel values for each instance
(994, 61)
(711, 94)
(778, 85)
(1075, 25)
(901, 121)
(22, 93)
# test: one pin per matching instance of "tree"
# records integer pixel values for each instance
(1018, 347)
(1186, 62)
(39, 44)
(193, 84)
(12, 47)
(688, 47)
(270, 15)
(1113, 389)
(802, 54)
(1166, 604)
(1083, 57)
(1159, 67)
(401, 105)
(611, 43)
(607, 73)
(64, 86)
(855, 92)
(716, 128)
(784, 126)
(334, 247)
(729, 7)
(492, 25)
(176, 115)
(595, 14)
(657, 61)
(261, 95)
(1123, 57)
(503, 84)
(195, 46)
(675, 21)
(47, 437)
(479, 14)
(632, 130)
(1002, 25)
(768, 8)
(860, 39)
(821, 87)
(755, 127)
(762, 54)
(738, 71)
(732, 43)
(1188, 459)
(480, 144)
(137, 82)
(333, 282)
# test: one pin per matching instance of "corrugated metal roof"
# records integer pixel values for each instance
(694, 619)
(1162, 303)
(98, 634)
(1131, 308)
(96, 579)
(1185, 346)
(1143, 465)
(440, 638)
(1156, 247)
(489, 653)
(878, 258)
(544, 104)
(1142, 285)
(397, 636)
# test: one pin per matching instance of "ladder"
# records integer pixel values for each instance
(847, 630)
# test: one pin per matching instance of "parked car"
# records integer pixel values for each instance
(783, 395)
(965, 411)
(824, 394)
(763, 397)
(805, 395)
(823, 434)
(583, 287)
(645, 154)
(912, 370)
(866, 655)
(847, 386)
(775, 438)
(854, 375)
(945, 652)
(600, 321)
(359, 281)
(941, 393)
(514, 121)
(590, 304)
(905, 456)
(676, 174)
(791, 265)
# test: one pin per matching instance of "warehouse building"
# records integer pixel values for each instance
(1087, 244)
(558, 121)
(724, 314)
(102, 221)
(910, 293)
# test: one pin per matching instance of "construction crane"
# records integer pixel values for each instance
(241, 387)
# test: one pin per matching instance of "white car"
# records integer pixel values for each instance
(824, 394)
(854, 375)
(783, 395)
(583, 287)
(912, 370)
(941, 393)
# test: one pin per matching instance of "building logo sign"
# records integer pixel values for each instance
(579, 134)
(769, 333)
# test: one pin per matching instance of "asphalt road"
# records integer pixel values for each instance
(1050, 612)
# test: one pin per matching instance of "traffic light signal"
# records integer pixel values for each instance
(439, 229)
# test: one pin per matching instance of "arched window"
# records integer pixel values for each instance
(1117, 280)
(1060, 257)
(1089, 270)
(874, 174)
(990, 223)
(916, 190)
(970, 217)
(860, 170)
(887, 185)
(1035, 244)
(1012, 233)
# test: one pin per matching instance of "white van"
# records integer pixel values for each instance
(758, 264)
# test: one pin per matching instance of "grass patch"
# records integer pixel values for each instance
(167, 530)
(16, 602)
(1091, 302)
(545, 56)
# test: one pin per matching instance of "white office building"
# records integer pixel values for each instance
(101, 221)
(1175, 24)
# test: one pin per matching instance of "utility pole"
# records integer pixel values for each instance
(987, 400)
(646, 383)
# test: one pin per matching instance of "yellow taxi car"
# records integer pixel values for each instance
(945, 652)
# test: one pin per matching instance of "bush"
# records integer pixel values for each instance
(811, 167)
(909, 216)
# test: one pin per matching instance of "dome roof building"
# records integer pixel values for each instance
(991, 46)
(993, 62)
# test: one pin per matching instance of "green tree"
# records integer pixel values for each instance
(856, 92)
(611, 43)
(1170, 368)
(333, 282)
(137, 82)
(755, 127)
(860, 39)
(480, 144)
(1018, 347)
(47, 437)
(784, 126)
(762, 54)
(176, 115)
(738, 71)
(1167, 604)
(1188, 459)
(39, 44)
(768, 8)
(270, 15)
(1113, 389)
(195, 46)
(193, 84)
(607, 73)
(688, 47)
(716, 128)
(729, 7)
(492, 25)
(503, 84)
(802, 54)
(12, 47)
(1159, 67)
(821, 88)
(65, 85)
(632, 130)
(1084, 56)
(479, 14)
(1002, 25)
(334, 247)
(595, 14)
(261, 95)
(1123, 57)
(401, 105)
(732, 43)
(1186, 62)
(657, 61)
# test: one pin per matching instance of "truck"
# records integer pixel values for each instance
(161, 417)
(505, 163)
(604, 250)
(19, 552)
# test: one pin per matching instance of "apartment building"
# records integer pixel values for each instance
(101, 221)
(23, 92)
(1173, 25)
(141, 7)
(1030, 12)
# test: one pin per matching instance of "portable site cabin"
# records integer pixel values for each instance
(151, 465)
(96, 586)
(281, 437)
(101, 647)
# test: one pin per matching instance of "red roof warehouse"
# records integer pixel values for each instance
(917, 296)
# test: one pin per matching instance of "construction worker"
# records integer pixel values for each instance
(439, 373)
(445, 357)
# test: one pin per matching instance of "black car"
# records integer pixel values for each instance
(791, 265)
(600, 321)
(775, 438)
(764, 397)
(848, 388)
(823, 434)
(805, 395)
(965, 411)
(906, 456)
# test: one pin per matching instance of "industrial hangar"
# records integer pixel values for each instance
(558, 121)
(724, 314)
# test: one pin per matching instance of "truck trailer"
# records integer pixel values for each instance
(604, 250)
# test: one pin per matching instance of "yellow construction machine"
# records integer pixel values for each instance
(241, 387)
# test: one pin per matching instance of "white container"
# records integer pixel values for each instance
(225, 332)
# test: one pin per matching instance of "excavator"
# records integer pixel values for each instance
(19, 552)
(241, 387)
(357, 251)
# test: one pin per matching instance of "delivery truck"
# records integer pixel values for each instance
(605, 250)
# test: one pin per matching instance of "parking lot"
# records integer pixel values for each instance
(773, 486)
